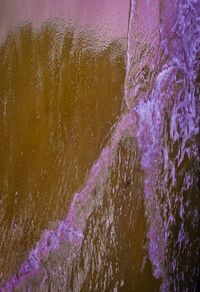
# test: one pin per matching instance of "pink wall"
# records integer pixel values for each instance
(110, 16)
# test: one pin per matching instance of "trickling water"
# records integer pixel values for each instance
(47, 122)
(134, 226)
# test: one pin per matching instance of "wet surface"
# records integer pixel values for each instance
(60, 96)
(114, 174)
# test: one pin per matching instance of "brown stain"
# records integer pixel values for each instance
(58, 102)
